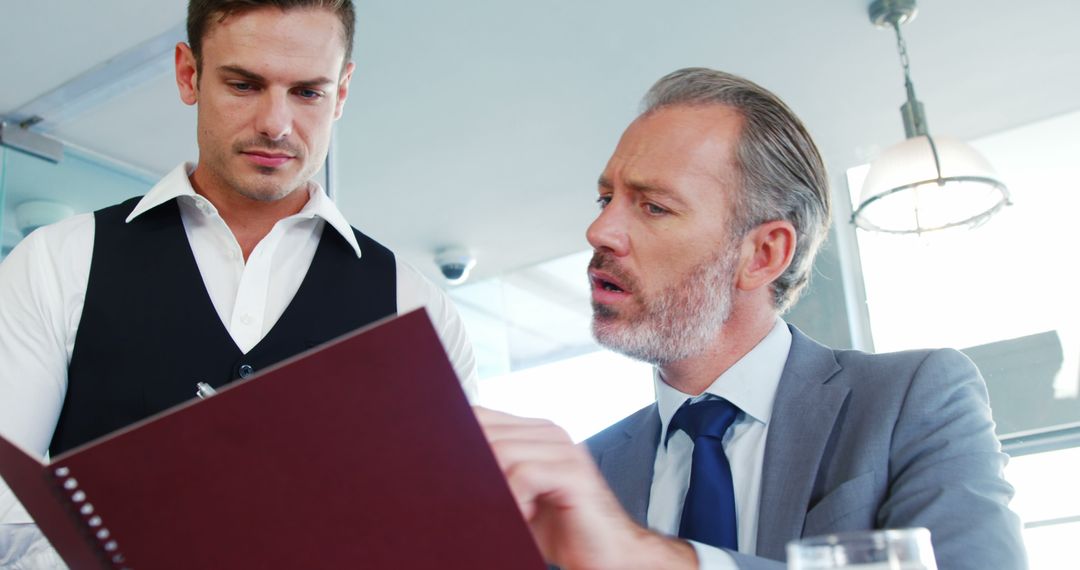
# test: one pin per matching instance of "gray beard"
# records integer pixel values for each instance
(679, 322)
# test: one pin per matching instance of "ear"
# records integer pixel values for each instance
(766, 252)
(187, 75)
(343, 89)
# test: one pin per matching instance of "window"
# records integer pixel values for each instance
(583, 394)
(1047, 502)
(1003, 293)
(536, 355)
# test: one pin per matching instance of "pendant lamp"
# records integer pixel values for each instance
(924, 183)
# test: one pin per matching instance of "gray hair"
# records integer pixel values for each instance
(783, 176)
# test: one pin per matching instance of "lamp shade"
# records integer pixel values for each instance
(925, 184)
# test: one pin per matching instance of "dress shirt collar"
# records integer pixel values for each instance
(176, 184)
(750, 383)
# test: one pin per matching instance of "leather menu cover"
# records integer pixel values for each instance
(360, 453)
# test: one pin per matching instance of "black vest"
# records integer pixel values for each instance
(149, 330)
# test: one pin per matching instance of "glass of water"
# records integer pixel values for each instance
(902, 549)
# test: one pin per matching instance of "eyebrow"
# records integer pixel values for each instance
(643, 187)
(255, 77)
(649, 190)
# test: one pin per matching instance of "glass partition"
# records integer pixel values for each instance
(35, 192)
(4, 247)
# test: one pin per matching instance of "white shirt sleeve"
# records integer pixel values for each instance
(42, 286)
(414, 291)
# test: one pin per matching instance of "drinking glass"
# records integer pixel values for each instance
(901, 549)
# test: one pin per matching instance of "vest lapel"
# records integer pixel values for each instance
(339, 293)
(803, 417)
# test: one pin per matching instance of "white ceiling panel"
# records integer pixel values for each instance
(155, 129)
(44, 43)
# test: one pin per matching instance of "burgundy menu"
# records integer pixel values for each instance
(360, 453)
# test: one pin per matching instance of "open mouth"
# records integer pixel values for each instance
(609, 286)
(602, 281)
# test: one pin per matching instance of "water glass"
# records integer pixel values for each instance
(901, 549)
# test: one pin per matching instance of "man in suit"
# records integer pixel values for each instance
(712, 209)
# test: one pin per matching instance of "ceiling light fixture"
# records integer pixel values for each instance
(924, 183)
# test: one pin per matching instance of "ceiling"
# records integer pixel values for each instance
(485, 123)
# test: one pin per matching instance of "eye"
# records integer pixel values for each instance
(603, 201)
(241, 86)
(309, 94)
(655, 210)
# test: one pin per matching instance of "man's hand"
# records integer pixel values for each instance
(572, 513)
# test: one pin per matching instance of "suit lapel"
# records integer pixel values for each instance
(628, 464)
(803, 417)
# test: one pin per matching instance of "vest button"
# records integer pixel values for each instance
(246, 370)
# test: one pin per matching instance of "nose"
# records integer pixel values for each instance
(608, 230)
(274, 119)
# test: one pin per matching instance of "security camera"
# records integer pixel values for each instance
(455, 264)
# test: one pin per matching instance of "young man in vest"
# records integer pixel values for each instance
(225, 266)
(712, 208)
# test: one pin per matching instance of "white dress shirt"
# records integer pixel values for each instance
(43, 285)
(751, 385)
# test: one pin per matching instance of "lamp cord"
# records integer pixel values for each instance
(901, 48)
(916, 113)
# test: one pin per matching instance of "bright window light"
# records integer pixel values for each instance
(582, 395)
(1047, 502)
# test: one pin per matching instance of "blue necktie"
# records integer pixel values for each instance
(709, 510)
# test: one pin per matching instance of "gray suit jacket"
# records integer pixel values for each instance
(860, 441)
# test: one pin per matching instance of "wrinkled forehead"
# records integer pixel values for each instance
(679, 143)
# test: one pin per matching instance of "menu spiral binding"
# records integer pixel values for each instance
(108, 545)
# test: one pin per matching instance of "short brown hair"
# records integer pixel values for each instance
(200, 12)
(783, 176)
